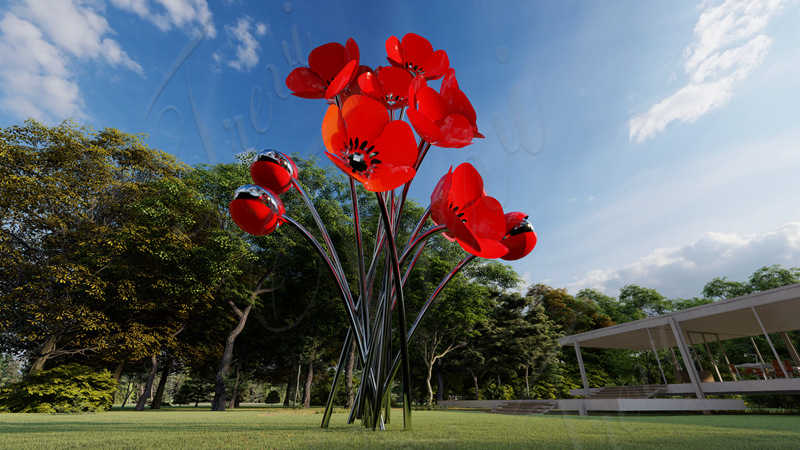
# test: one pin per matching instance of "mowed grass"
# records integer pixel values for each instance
(278, 428)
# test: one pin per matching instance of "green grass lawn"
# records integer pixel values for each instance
(279, 428)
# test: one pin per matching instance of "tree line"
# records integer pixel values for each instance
(118, 257)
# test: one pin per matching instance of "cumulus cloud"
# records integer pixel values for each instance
(681, 272)
(242, 38)
(39, 40)
(190, 15)
(728, 44)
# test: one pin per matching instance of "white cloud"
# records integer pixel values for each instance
(189, 15)
(728, 44)
(247, 47)
(683, 271)
(39, 41)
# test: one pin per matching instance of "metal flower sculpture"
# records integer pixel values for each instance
(364, 139)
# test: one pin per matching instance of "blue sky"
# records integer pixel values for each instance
(653, 143)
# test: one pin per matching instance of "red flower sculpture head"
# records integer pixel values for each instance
(369, 147)
(520, 236)
(416, 55)
(475, 220)
(256, 210)
(331, 68)
(445, 118)
(273, 170)
(388, 85)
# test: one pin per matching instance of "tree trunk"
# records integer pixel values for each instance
(44, 353)
(527, 382)
(128, 392)
(162, 383)
(287, 399)
(348, 376)
(297, 386)
(475, 382)
(439, 381)
(118, 371)
(307, 388)
(233, 403)
(148, 388)
(428, 380)
(225, 364)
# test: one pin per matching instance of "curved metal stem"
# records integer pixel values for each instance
(344, 290)
(325, 235)
(392, 250)
(424, 310)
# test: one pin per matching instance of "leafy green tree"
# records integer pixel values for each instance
(63, 192)
(571, 314)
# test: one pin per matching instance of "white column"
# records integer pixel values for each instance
(789, 346)
(582, 369)
(687, 358)
(774, 352)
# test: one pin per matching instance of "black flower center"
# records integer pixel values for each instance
(418, 70)
(361, 156)
(458, 214)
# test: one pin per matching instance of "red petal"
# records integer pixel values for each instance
(485, 218)
(386, 177)
(485, 248)
(436, 65)
(364, 117)
(394, 81)
(416, 49)
(328, 60)
(305, 83)
(456, 132)
(466, 187)
(253, 217)
(520, 245)
(394, 51)
(425, 127)
(513, 219)
(431, 104)
(369, 85)
(396, 145)
(351, 51)
(440, 196)
(271, 176)
(342, 79)
(334, 133)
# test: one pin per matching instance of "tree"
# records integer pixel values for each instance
(63, 192)
(571, 314)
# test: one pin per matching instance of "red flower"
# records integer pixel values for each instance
(331, 68)
(444, 119)
(520, 236)
(416, 54)
(256, 210)
(366, 145)
(273, 170)
(388, 85)
(474, 219)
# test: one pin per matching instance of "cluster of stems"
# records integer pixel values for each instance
(370, 314)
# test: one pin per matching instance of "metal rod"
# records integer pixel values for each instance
(348, 341)
(406, 374)
(425, 308)
(344, 290)
(774, 352)
(713, 360)
(727, 361)
(652, 344)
